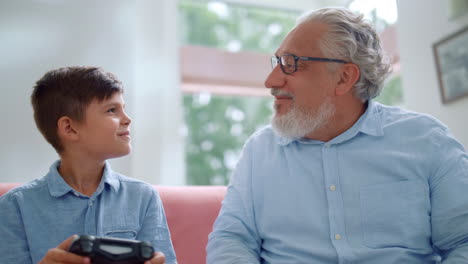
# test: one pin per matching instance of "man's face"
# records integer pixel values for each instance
(105, 131)
(303, 99)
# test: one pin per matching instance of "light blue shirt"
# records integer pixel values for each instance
(38, 216)
(391, 189)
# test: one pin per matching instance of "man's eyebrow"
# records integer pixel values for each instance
(285, 53)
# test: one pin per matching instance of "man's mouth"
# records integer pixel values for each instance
(283, 97)
(280, 94)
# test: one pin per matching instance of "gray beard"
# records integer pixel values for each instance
(299, 122)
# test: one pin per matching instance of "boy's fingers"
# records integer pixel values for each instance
(57, 255)
(65, 245)
(158, 258)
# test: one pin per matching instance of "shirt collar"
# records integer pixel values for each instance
(369, 123)
(110, 177)
(58, 187)
(372, 120)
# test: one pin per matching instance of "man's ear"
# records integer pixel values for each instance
(349, 75)
(66, 130)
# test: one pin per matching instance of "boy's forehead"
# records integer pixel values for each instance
(115, 98)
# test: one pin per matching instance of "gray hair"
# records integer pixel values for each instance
(355, 40)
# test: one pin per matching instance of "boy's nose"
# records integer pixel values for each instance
(126, 120)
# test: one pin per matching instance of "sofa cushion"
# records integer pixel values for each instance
(191, 212)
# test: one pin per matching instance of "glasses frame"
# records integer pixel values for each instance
(275, 60)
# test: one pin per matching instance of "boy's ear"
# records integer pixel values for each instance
(349, 75)
(65, 129)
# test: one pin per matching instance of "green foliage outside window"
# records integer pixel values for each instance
(233, 27)
(218, 126)
(392, 93)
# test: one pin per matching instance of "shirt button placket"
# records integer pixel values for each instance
(334, 199)
(90, 226)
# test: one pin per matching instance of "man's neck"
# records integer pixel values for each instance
(346, 115)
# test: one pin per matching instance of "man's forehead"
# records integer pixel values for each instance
(302, 39)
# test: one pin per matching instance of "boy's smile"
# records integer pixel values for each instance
(125, 135)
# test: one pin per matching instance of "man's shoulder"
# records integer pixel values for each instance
(264, 134)
(397, 116)
(263, 141)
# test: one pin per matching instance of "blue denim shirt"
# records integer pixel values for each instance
(41, 214)
(391, 189)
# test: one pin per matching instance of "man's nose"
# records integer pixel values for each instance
(276, 78)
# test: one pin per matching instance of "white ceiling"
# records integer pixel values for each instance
(301, 5)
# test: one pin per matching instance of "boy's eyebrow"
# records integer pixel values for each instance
(114, 104)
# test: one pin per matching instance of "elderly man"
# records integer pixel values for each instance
(339, 178)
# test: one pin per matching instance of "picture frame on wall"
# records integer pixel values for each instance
(451, 59)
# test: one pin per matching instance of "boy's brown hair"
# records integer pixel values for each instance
(67, 92)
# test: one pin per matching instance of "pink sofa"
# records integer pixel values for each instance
(190, 212)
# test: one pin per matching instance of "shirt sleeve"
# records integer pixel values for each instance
(235, 237)
(449, 199)
(155, 228)
(13, 243)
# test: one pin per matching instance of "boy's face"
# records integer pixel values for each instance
(105, 131)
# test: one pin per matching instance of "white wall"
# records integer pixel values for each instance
(421, 23)
(123, 37)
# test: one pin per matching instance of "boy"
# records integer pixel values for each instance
(81, 112)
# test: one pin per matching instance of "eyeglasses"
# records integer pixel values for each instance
(288, 62)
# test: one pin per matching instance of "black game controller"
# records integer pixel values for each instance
(107, 250)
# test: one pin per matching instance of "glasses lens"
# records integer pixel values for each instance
(288, 63)
(274, 61)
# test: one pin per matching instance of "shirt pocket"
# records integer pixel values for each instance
(396, 215)
(124, 232)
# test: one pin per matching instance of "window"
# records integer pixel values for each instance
(225, 51)
(225, 54)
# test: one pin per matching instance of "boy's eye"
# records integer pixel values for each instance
(111, 110)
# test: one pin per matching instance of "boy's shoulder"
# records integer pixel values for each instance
(33, 186)
(130, 182)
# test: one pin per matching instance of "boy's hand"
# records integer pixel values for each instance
(158, 258)
(60, 254)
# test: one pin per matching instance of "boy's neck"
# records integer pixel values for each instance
(82, 175)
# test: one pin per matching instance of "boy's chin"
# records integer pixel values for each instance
(128, 150)
(122, 153)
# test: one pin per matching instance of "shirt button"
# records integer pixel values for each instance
(332, 187)
(76, 194)
(90, 204)
(337, 237)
